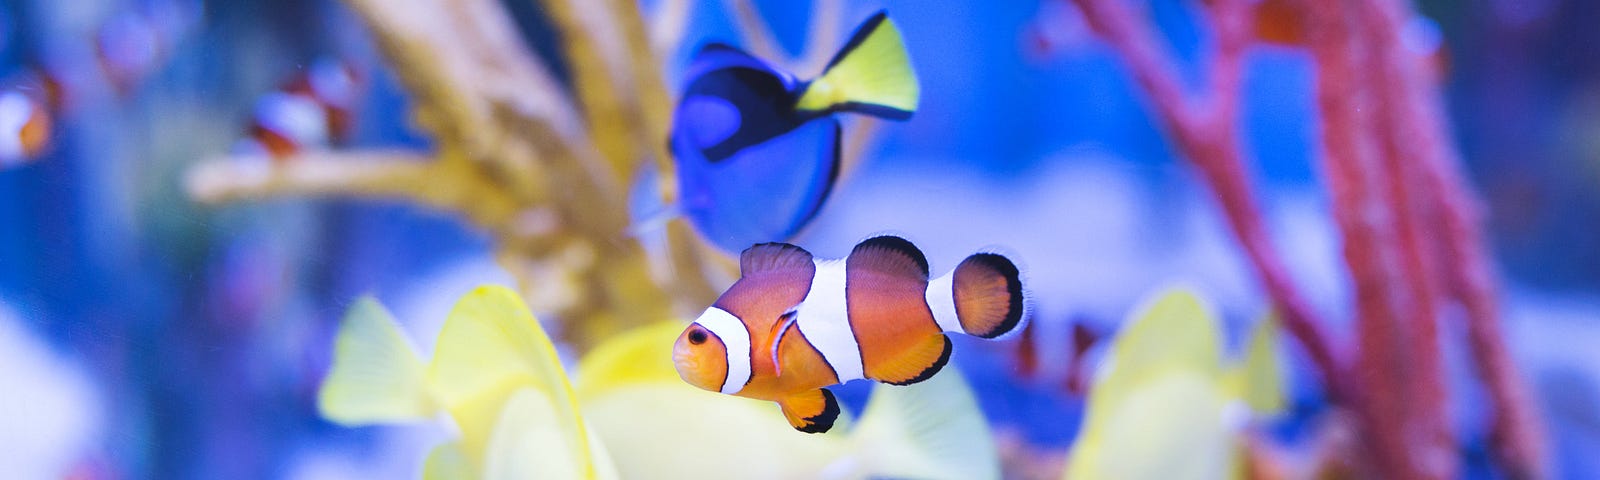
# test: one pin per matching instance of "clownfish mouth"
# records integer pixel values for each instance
(690, 369)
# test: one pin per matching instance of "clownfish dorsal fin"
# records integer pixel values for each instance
(811, 411)
(769, 257)
(890, 255)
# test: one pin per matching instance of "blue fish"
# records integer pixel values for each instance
(757, 149)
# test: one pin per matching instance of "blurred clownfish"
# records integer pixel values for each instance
(335, 86)
(25, 127)
(1281, 22)
(129, 47)
(134, 43)
(792, 324)
(311, 111)
(45, 85)
(757, 149)
(1057, 28)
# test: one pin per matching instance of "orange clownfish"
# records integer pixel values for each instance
(25, 128)
(312, 111)
(792, 324)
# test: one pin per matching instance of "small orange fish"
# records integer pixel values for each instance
(335, 85)
(25, 128)
(1057, 28)
(313, 110)
(44, 84)
(793, 325)
(132, 44)
(128, 48)
(286, 123)
(1281, 22)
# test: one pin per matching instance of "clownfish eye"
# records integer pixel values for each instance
(697, 336)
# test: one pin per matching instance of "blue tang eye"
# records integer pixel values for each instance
(709, 120)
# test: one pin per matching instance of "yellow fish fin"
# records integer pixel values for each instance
(641, 355)
(490, 350)
(871, 74)
(376, 376)
(531, 439)
(1160, 408)
(1263, 369)
(1173, 332)
(933, 430)
(448, 462)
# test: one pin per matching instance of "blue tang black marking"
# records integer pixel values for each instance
(757, 150)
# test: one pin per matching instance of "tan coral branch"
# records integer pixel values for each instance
(758, 37)
(376, 174)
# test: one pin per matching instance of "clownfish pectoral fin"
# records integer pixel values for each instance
(812, 411)
(890, 255)
(916, 364)
(794, 355)
(778, 329)
(871, 74)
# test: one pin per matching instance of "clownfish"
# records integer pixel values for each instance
(757, 150)
(132, 44)
(312, 110)
(792, 325)
(25, 127)
(1057, 28)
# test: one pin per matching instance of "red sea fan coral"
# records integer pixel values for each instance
(1412, 240)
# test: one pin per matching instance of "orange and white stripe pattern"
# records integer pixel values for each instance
(793, 325)
(25, 128)
(311, 111)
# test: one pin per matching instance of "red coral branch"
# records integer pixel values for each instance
(1409, 198)
(1350, 158)
(1209, 138)
(1409, 224)
(1466, 274)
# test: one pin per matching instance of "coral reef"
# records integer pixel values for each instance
(1412, 240)
(541, 170)
(539, 165)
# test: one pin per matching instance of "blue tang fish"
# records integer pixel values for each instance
(757, 149)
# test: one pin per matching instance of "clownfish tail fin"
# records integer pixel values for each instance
(985, 294)
(871, 74)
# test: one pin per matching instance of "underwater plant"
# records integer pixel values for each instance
(626, 414)
(1411, 229)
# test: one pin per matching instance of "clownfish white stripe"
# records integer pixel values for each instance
(295, 117)
(15, 110)
(941, 299)
(736, 338)
(824, 318)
